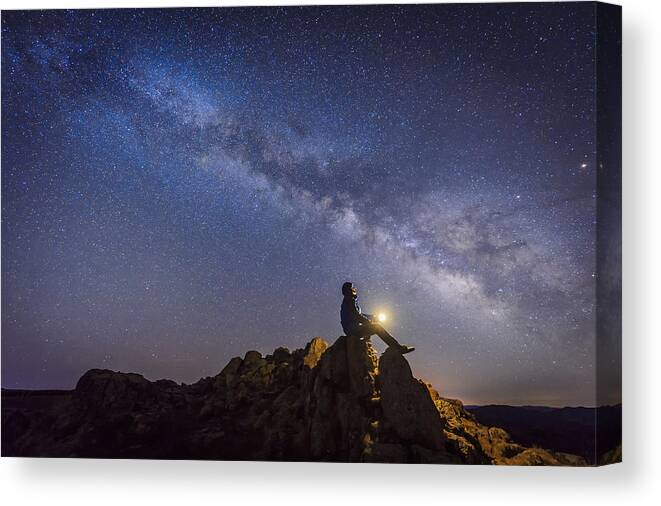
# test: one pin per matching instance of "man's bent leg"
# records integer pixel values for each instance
(385, 336)
(367, 330)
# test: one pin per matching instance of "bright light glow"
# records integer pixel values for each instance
(382, 317)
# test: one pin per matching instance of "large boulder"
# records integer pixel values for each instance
(102, 389)
(313, 352)
(339, 404)
(407, 403)
(351, 365)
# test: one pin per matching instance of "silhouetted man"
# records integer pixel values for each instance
(355, 323)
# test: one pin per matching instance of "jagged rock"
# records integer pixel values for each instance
(232, 368)
(281, 355)
(166, 383)
(351, 365)
(407, 403)
(338, 404)
(313, 352)
(330, 403)
(252, 361)
(109, 390)
(611, 457)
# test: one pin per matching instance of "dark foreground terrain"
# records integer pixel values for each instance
(570, 430)
(324, 403)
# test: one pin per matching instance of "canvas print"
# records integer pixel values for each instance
(384, 233)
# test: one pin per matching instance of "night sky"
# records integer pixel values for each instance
(182, 186)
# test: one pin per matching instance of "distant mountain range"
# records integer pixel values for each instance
(569, 430)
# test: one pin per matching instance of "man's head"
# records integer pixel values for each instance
(348, 290)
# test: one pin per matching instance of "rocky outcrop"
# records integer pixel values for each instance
(323, 403)
(408, 406)
(585, 431)
(611, 457)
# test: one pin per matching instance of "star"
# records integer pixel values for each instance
(174, 198)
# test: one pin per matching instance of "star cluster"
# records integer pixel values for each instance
(182, 185)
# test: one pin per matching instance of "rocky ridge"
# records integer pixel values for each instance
(337, 403)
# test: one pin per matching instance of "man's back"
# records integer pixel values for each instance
(348, 315)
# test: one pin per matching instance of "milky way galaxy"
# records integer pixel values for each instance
(180, 186)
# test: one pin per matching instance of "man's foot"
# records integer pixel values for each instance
(403, 349)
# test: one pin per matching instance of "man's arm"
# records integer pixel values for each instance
(360, 317)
